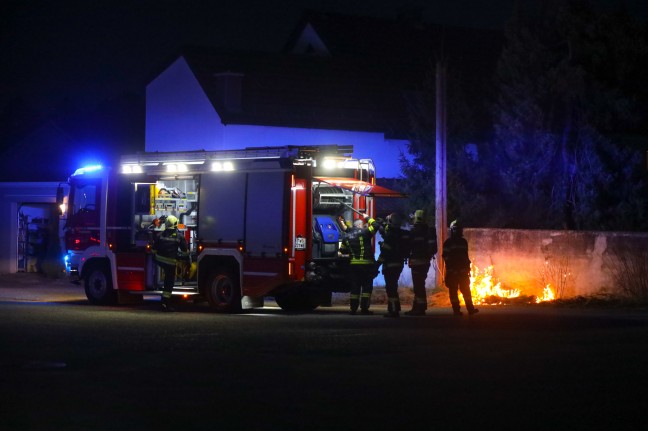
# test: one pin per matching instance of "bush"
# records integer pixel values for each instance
(629, 272)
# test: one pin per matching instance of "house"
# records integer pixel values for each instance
(339, 80)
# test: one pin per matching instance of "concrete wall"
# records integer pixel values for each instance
(573, 262)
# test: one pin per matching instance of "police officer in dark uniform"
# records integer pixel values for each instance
(165, 250)
(394, 249)
(457, 264)
(357, 243)
(423, 247)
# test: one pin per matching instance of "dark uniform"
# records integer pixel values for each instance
(357, 243)
(457, 265)
(423, 247)
(166, 248)
(394, 249)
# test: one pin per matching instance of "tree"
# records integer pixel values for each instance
(564, 90)
(467, 175)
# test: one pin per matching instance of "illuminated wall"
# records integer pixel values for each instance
(179, 116)
(574, 261)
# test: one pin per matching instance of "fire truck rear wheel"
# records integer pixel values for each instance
(224, 292)
(98, 286)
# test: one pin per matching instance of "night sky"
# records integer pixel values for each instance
(85, 51)
(70, 55)
(88, 50)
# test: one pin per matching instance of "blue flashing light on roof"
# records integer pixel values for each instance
(88, 169)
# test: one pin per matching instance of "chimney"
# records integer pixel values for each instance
(228, 90)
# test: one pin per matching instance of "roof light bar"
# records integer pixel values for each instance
(131, 169)
(226, 166)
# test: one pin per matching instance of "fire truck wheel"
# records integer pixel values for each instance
(223, 292)
(98, 286)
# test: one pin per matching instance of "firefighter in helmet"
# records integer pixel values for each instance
(394, 249)
(423, 247)
(357, 243)
(457, 268)
(165, 249)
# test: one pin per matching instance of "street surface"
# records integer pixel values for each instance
(69, 365)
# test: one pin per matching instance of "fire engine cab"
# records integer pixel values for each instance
(258, 222)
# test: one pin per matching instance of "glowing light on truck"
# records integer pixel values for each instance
(88, 169)
(177, 167)
(131, 169)
(226, 166)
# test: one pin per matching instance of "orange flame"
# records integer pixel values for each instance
(482, 287)
(547, 295)
(484, 290)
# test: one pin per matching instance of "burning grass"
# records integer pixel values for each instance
(485, 291)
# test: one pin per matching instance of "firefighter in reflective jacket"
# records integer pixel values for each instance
(357, 243)
(165, 249)
(423, 247)
(394, 249)
(457, 264)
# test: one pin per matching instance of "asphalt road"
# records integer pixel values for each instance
(68, 365)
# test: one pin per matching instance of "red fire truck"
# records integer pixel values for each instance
(259, 222)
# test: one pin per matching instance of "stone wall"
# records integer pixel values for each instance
(573, 262)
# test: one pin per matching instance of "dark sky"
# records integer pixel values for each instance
(86, 51)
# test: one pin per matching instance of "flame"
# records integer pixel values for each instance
(485, 291)
(547, 295)
(482, 287)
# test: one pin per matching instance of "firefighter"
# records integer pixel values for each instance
(423, 247)
(457, 265)
(357, 243)
(393, 251)
(165, 249)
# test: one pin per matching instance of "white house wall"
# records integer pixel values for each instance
(179, 116)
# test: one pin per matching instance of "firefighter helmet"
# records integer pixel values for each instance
(419, 216)
(394, 219)
(456, 228)
(171, 222)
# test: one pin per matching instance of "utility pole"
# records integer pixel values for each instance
(440, 171)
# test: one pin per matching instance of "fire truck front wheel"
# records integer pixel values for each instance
(223, 292)
(98, 285)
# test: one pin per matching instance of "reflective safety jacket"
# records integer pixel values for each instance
(423, 244)
(166, 246)
(455, 255)
(394, 248)
(357, 243)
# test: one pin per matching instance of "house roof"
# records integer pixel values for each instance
(302, 91)
(361, 82)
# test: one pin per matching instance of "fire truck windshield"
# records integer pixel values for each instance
(84, 202)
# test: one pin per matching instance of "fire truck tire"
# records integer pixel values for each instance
(98, 286)
(223, 292)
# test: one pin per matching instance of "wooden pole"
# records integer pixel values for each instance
(440, 171)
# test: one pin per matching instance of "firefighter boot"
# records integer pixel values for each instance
(166, 302)
(365, 302)
(418, 308)
(471, 308)
(456, 308)
(393, 307)
(355, 303)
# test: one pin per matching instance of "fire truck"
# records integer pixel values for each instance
(258, 222)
